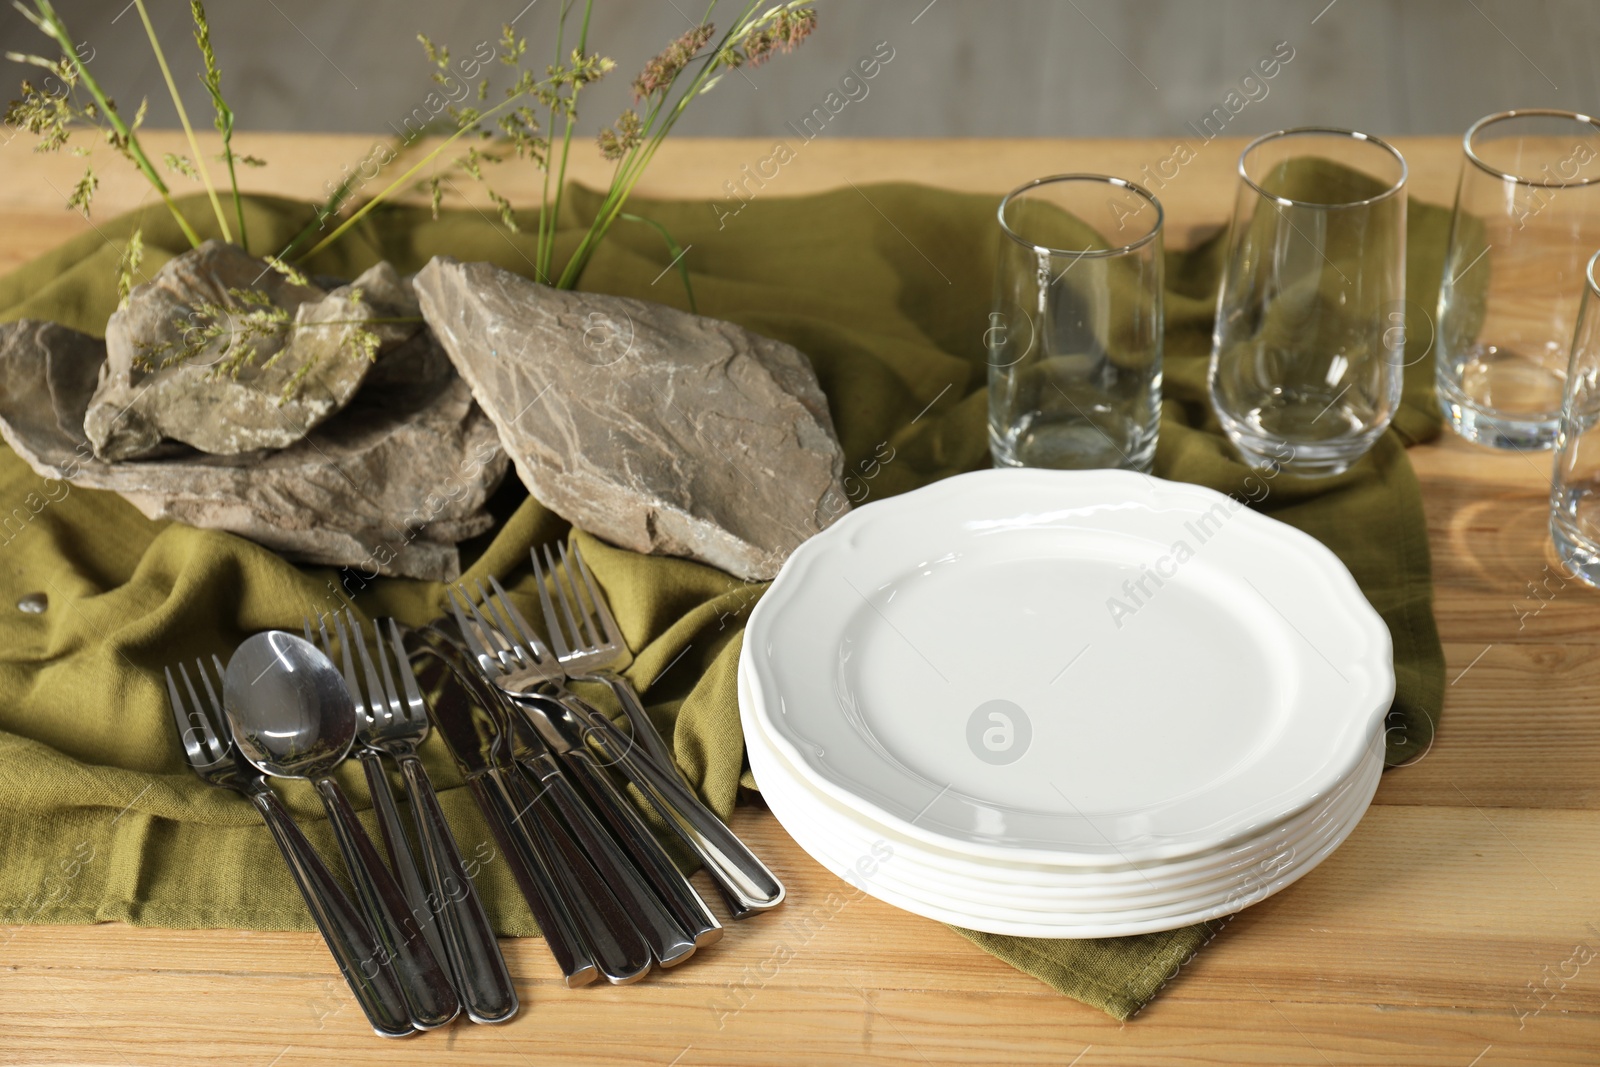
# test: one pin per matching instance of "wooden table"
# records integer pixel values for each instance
(1454, 928)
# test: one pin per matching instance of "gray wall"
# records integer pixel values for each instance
(961, 68)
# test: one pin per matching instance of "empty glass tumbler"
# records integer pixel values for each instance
(1527, 216)
(1575, 483)
(1074, 341)
(1308, 350)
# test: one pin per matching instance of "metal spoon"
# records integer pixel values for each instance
(293, 718)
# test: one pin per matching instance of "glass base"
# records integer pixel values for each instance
(1308, 432)
(1578, 556)
(1302, 465)
(1070, 444)
(1305, 459)
(1474, 421)
(1497, 431)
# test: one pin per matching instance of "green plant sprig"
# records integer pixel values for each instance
(520, 129)
(212, 80)
(549, 218)
(753, 39)
(519, 93)
(199, 162)
(633, 141)
(54, 125)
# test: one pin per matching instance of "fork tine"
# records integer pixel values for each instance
(502, 600)
(468, 634)
(490, 631)
(376, 696)
(602, 610)
(395, 711)
(347, 667)
(408, 680)
(200, 722)
(221, 731)
(593, 639)
(182, 720)
(516, 654)
(524, 651)
(551, 621)
(222, 712)
(566, 604)
(326, 646)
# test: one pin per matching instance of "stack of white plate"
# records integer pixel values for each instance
(1065, 704)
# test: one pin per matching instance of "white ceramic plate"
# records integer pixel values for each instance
(812, 816)
(911, 891)
(1068, 668)
(895, 868)
(776, 776)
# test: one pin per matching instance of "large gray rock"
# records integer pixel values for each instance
(657, 430)
(134, 411)
(388, 486)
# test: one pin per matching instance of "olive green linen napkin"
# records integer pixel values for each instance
(885, 287)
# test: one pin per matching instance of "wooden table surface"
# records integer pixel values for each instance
(1454, 928)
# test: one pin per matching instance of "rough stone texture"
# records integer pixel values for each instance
(657, 430)
(388, 486)
(134, 411)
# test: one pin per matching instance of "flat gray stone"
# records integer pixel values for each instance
(134, 411)
(389, 486)
(657, 430)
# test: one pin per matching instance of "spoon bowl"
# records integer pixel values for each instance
(287, 703)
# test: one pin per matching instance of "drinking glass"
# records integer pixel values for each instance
(1575, 482)
(1308, 349)
(1074, 341)
(1527, 216)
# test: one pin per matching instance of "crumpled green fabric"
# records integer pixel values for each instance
(885, 287)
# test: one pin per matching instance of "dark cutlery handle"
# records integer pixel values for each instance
(649, 858)
(401, 859)
(619, 951)
(482, 980)
(534, 879)
(668, 942)
(431, 1001)
(743, 878)
(355, 950)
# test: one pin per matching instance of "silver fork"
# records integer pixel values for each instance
(596, 647)
(386, 724)
(744, 881)
(406, 870)
(208, 747)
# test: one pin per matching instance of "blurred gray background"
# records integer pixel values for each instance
(960, 68)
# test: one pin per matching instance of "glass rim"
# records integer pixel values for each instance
(1329, 131)
(1084, 253)
(1593, 275)
(1520, 113)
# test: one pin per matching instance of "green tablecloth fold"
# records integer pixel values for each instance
(885, 287)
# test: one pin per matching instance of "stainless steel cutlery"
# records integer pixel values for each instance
(519, 663)
(472, 737)
(550, 773)
(292, 717)
(394, 722)
(208, 746)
